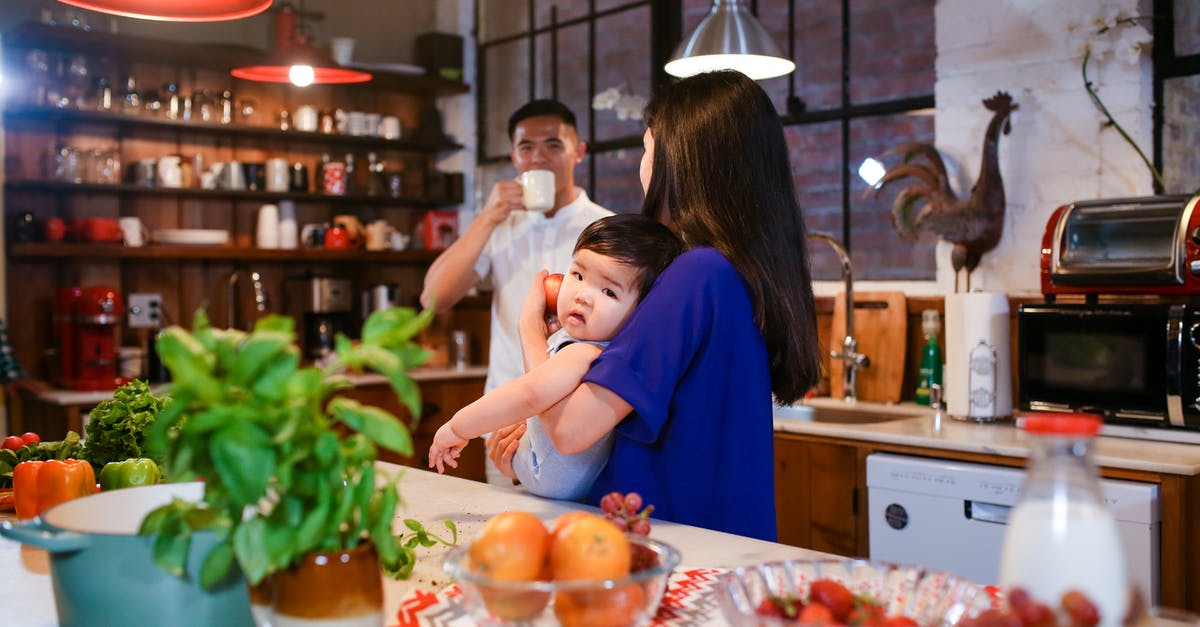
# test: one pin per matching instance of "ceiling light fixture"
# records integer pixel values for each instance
(300, 63)
(176, 10)
(729, 38)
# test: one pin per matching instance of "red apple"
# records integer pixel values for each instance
(552, 283)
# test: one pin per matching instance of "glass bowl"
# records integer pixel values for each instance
(628, 601)
(929, 597)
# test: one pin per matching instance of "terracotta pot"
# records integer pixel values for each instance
(342, 589)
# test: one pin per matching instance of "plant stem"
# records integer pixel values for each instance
(1087, 84)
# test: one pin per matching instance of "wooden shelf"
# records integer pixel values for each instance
(60, 187)
(78, 117)
(212, 56)
(51, 251)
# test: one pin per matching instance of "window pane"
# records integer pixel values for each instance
(505, 87)
(572, 72)
(618, 187)
(502, 18)
(1187, 27)
(877, 250)
(567, 10)
(816, 157)
(891, 49)
(693, 12)
(773, 15)
(1181, 133)
(622, 62)
(818, 74)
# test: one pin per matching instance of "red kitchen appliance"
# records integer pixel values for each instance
(1144, 246)
(86, 321)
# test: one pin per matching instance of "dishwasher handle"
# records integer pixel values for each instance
(986, 512)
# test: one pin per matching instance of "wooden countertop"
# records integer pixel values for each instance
(1004, 439)
(428, 497)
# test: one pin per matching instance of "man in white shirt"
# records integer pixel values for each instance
(509, 242)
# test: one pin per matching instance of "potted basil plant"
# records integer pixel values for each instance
(288, 467)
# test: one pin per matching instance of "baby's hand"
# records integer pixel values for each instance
(446, 448)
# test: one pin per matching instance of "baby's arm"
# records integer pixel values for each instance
(513, 402)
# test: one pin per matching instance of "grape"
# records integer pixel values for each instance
(620, 523)
(640, 526)
(611, 503)
(1081, 610)
(633, 503)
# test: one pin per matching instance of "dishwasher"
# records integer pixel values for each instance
(951, 516)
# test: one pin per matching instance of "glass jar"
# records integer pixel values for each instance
(1061, 535)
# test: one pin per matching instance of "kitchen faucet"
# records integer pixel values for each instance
(261, 302)
(851, 359)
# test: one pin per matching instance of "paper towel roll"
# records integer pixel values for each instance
(978, 374)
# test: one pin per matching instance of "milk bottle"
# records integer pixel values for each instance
(1061, 535)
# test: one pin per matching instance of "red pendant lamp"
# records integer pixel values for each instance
(176, 10)
(300, 63)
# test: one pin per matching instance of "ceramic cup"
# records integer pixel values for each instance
(389, 127)
(133, 231)
(341, 49)
(539, 190)
(379, 235)
(313, 235)
(267, 234)
(288, 235)
(306, 118)
(333, 178)
(278, 175)
(170, 171)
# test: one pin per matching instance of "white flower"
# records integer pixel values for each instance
(606, 99)
(1132, 42)
(630, 106)
(1107, 15)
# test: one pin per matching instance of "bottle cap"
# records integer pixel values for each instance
(1061, 423)
(931, 322)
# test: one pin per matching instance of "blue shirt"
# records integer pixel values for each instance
(699, 444)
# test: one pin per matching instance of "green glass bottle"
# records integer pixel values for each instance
(931, 356)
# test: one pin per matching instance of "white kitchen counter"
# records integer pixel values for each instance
(429, 498)
(996, 439)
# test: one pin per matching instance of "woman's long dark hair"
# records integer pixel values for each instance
(722, 178)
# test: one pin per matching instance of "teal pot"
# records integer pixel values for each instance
(104, 573)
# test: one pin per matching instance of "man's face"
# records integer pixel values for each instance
(545, 142)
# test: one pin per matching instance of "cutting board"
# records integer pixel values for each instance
(880, 320)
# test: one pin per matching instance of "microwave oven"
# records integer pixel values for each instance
(1133, 363)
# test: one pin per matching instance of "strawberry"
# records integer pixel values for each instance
(834, 596)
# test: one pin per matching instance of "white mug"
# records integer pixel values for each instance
(133, 231)
(170, 171)
(278, 175)
(389, 127)
(539, 190)
(267, 234)
(288, 235)
(306, 118)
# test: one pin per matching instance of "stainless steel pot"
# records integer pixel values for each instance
(104, 573)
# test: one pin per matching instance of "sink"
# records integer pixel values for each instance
(835, 410)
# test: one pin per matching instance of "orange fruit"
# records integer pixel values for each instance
(561, 523)
(587, 546)
(619, 607)
(511, 547)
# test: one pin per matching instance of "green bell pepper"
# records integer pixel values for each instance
(129, 473)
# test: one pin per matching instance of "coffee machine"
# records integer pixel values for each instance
(86, 320)
(322, 307)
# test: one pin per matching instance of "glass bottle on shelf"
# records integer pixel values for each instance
(1061, 536)
(171, 104)
(131, 101)
(102, 94)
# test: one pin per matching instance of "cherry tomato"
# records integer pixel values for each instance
(13, 442)
(30, 437)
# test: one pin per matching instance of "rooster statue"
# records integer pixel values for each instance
(973, 225)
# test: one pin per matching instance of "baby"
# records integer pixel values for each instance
(616, 260)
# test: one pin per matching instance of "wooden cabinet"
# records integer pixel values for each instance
(441, 398)
(821, 500)
(57, 68)
(817, 495)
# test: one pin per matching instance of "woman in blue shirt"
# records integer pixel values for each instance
(687, 383)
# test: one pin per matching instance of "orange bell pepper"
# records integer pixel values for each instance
(38, 486)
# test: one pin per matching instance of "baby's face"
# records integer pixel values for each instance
(597, 295)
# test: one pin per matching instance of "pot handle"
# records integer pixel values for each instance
(35, 533)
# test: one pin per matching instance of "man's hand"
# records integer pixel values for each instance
(502, 445)
(506, 197)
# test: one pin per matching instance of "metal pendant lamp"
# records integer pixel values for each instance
(300, 63)
(176, 10)
(729, 38)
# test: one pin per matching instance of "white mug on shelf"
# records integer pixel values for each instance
(170, 171)
(278, 174)
(267, 234)
(288, 232)
(539, 190)
(133, 231)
